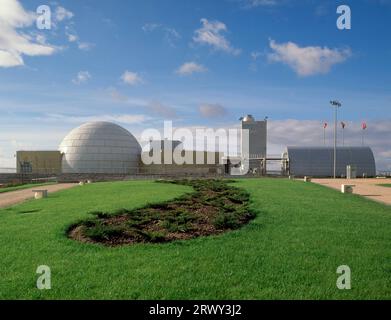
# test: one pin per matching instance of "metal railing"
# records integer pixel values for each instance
(7, 170)
(384, 174)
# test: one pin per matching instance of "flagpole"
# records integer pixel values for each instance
(343, 125)
(364, 127)
(336, 105)
(362, 137)
(324, 135)
(324, 132)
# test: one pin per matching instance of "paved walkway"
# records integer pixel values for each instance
(14, 197)
(365, 187)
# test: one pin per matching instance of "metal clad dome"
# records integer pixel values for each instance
(100, 147)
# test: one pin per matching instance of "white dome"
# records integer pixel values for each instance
(248, 118)
(100, 147)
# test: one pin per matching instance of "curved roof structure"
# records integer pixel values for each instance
(100, 147)
(248, 118)
(319, 161)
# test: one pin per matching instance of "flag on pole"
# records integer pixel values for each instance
(324, 132)
(364, 127)
(343, 125)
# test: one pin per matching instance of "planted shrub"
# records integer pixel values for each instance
(226, 221)
(104, 232)
(212, 208)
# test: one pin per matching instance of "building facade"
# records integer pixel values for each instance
(38, 162)
(319, 161)
(253, 141)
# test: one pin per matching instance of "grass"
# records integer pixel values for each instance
(24, 186)
(291, 250)
(385, 185)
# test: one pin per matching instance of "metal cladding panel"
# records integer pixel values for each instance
(257, 136)
(319, 161)
(100, 147)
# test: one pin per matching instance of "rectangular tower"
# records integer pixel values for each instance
(257, 144)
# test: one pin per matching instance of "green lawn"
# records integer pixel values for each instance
(302, 233)
(385, 185)
(24, 186)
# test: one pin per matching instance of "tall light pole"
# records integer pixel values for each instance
(336, 104)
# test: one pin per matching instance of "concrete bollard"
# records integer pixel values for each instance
(40, 194)
(307, 179)
(347, 188)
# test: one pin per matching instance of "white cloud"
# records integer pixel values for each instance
(211, 33)
(306, 61)
(63, 14)
(255, 55)
(212, 110)
(126, 118)
(171, 35)
(189, 68)
(85, 46)
(8, 59)
(72, 37)
(158, 109)
(254, 58)
(116, 95)
(122, 118)
(131, 78)
(260, 3)
(13, 14)
(40, 38)
(82, 77)
(71, 33)
(15, 44)
(153, 108)
(149, 27)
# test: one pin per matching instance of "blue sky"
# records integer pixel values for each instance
(199, 63)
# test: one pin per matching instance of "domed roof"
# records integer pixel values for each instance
(100, 147)
(248, 118)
